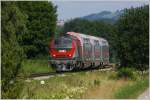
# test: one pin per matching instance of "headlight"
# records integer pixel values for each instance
(69, 55)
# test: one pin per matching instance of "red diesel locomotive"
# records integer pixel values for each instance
(78, 51)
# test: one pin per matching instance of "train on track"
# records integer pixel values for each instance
(78, 51)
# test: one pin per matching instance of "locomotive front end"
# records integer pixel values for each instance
(62, 53)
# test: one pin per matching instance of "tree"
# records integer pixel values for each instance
(13, 24)
(41, 21)
(25, 28)
(133, 37)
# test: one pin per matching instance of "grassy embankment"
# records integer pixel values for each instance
(94, 84)
(36, 66)
(130, 91)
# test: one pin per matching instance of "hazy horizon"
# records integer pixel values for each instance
(72, 9)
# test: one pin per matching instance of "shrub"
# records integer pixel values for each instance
(13, 90)
(96, 82)
(112, 76)
(125, 73)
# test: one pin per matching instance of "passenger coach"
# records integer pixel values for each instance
(78, 51)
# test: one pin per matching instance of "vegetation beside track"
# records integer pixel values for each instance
(132, 90)
(90, 84)
(36, 66)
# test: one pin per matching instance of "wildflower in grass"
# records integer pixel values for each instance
(67, 97)
(64, 86)
(53, 96)
(42, 82)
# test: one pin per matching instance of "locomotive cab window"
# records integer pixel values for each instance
(63, 42)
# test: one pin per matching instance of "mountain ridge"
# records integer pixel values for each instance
(104, 16)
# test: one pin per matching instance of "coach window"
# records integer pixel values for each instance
(87, 48)
(96, 49)
(105, 50)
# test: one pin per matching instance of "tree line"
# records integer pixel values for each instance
(24, 35)
(132, 43)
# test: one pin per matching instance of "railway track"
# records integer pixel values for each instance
(41, 74)
(51, 74)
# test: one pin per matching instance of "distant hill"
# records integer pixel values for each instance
(105, 16)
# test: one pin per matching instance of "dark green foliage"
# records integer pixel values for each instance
(25, 28)
(41, 26)
(96, 28)
(132, 41)
(125, 73)
(14, 90)
(13, 24)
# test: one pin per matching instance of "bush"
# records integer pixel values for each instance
(125, 73)
(96, 82)
(112, 76)
(13, 90)
(132, 90)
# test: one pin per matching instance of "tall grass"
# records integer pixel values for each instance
(132, 90)
(95, 84)
(36, 66)
(73, 85)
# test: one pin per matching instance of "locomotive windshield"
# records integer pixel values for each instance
(63, 42)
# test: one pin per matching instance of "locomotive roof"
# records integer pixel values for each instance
(81, 36)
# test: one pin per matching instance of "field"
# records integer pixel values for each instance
(91, 84)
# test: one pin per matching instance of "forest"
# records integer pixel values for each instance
(27, 27)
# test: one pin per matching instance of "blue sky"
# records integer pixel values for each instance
(72, 9)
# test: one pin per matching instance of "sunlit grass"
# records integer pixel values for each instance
(73, 85)
(132, 90)
(36, 66)
(91, 84)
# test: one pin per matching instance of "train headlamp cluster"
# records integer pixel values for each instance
(69, 55)
(55, 55)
